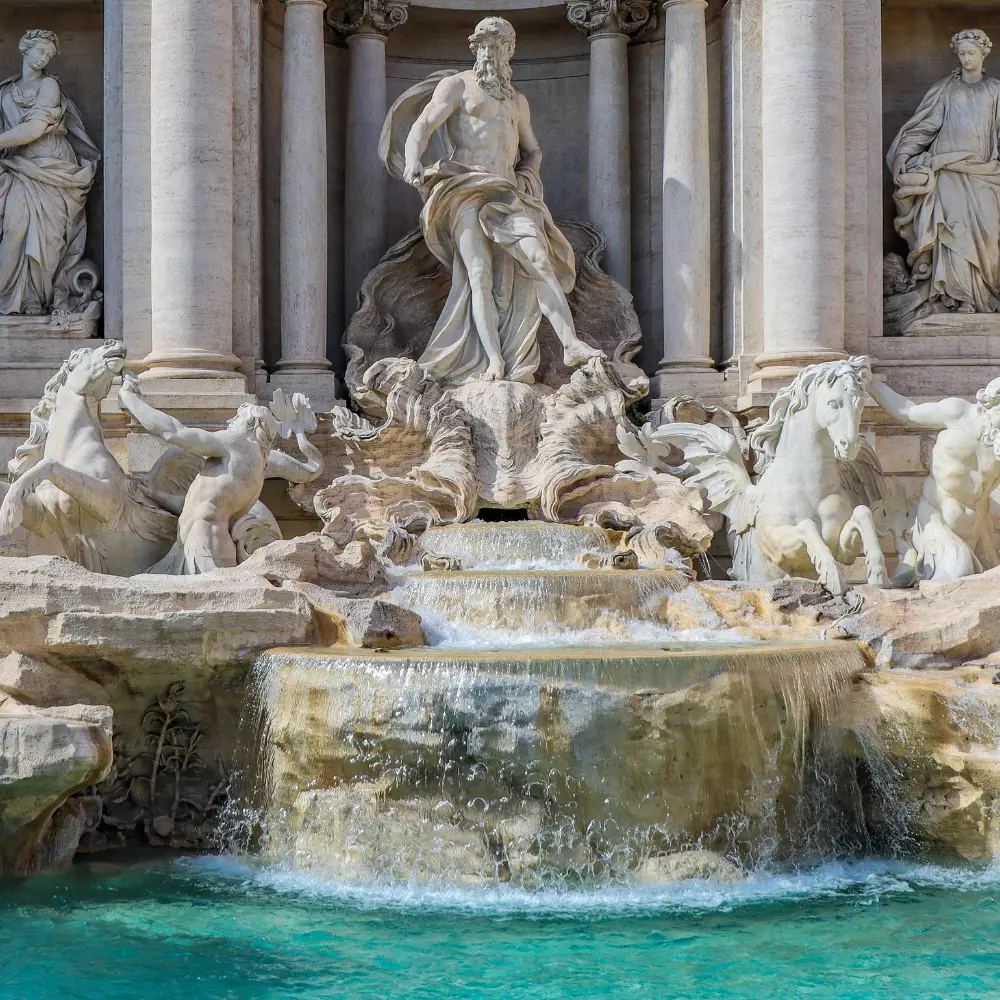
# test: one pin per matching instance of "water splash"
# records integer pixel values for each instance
(545, 768)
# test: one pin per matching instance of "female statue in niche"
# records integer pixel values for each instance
(946, 169)
(47, 167)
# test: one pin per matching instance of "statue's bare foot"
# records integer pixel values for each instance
(34, 309)
(966, 307)
(579, 352)
(494, 372)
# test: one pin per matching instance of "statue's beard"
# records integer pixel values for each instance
(493, 71)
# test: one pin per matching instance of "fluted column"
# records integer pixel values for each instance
(804, 178)
(304, 234)
(686, 193)
(366, 24)
(608, 23)
(191, 180)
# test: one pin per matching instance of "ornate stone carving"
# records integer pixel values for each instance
(792, 520)
(47, 168)
(950, 533)
(946, 172)
(422, 455)
(378, 17)
(221, 520)
(66, 483)
(627, 17)
(484, 217)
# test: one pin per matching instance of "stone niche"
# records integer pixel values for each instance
(552, 67)
(959, 349)
(31, 352)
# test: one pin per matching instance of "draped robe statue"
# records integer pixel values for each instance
(484, 217)
(47, 168)
(946, 167)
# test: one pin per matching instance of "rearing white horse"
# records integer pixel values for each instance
(801, 517)
(65, 482)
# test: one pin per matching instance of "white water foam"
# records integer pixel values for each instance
(444, 634)
(861, 882)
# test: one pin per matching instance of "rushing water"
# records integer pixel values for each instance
(164, 928)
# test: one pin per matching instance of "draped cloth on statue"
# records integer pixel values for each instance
(43, 192)
(508, 212)
(949, 199)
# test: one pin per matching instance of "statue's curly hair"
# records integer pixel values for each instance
(38, 35)
(972, 35)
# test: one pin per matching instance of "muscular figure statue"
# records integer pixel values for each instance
(951, 534)
(237, 461)
(484, 217)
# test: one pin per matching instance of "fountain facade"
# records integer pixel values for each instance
(559, 692)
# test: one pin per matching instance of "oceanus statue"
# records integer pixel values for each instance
(810, 509)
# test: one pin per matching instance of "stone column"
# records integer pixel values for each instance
(247, 191)
(366, 24)
(803, 194)
(126, 176)
(191, 181)
(304, 365)
(686, 193)
(608, 25)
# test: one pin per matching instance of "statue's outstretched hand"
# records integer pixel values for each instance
(294, 415)
(130, 384)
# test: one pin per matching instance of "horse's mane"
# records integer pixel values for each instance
(794, 398)
(30, 453)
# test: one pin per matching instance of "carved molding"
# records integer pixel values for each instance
(379, 17)
(592, 17)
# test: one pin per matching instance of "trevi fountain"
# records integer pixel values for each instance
(501, 499)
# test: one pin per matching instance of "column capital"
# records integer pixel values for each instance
(684, 3)
(367, 17)
(609, 17)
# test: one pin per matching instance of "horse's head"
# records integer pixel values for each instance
(834, 395)
(89, 371)
(837, 401)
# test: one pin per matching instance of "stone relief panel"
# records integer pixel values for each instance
(47, 169)
(945, 169)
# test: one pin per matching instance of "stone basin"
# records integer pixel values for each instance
(526, 765)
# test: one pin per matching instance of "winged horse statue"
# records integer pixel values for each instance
(66, 483)
(810, 509)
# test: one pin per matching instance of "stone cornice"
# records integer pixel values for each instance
(598, 17)
(372, 17)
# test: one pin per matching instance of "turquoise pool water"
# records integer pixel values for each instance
(168, 927)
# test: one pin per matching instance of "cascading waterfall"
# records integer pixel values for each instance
(549, 760)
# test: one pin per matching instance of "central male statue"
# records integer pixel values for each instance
(484, 217)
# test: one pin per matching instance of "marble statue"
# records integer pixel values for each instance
(804, 515)
(66, 483)
(484, 217)
(236, 461)
(945, 165)
(47, 168)
(951, 533)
